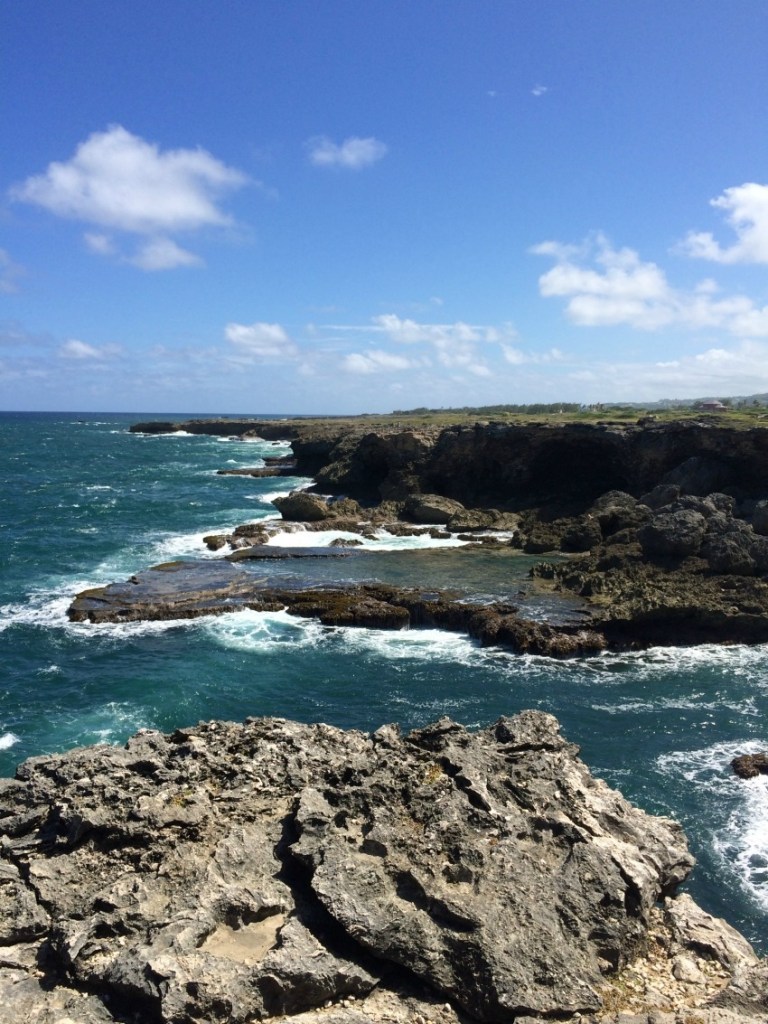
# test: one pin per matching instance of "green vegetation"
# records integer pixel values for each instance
(736, 412)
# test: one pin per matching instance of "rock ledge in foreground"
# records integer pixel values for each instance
(241, 872)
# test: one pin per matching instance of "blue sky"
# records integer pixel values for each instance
(311, 206)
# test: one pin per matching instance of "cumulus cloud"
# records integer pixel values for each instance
(261, 341)
(604, 286)
(746, 211)
(119, 181)
(539, 90)
(353, 153)
(374, 361)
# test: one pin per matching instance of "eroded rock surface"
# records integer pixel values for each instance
(240, 872)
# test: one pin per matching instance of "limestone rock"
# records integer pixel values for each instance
(300, 506)
(432, 508)
(228, 873)
(695, 930)
(675, 534)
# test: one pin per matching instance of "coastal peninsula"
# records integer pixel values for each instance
(660, 528)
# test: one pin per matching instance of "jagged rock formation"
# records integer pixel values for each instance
(229, 873)
(668, 569)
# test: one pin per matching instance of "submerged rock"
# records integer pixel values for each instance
(227, 873)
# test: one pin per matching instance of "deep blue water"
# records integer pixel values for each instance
(84, 502)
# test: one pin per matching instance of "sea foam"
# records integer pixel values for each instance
(740, 839)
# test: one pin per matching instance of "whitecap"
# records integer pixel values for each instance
(740, 840)
(8, 740)
(743, 842)
(435, 645)
(264, 632)
(110, 722)
(119, 631)
(692, 702)
(271, 495)
(40, 610)
(381, 541)
(181, 545)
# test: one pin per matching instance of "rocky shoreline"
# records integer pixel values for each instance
(272, 870)
(665, 527)
(229, 873)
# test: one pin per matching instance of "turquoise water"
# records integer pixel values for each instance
(84, 502)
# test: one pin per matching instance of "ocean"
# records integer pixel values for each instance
(84, 502)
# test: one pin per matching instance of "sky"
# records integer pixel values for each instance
(344, 206)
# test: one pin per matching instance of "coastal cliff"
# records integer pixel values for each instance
(512, 465)
(231, 873)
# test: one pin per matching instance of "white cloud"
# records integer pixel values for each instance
(9, 274)
(410, 331)
(75, 349)
(517, 357)
(353, 153)
(746, 211)
(619, 288)
(117, 180)
(539, 90)
(101, 243)
(738, 370)
(164, 254)
(374, 361)
(259, 341)
(455, 344)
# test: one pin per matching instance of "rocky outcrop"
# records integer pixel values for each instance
(260, 472)
(230, 873)
(749, 766)
(301, 506)
(690, 573)
(432, 508)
